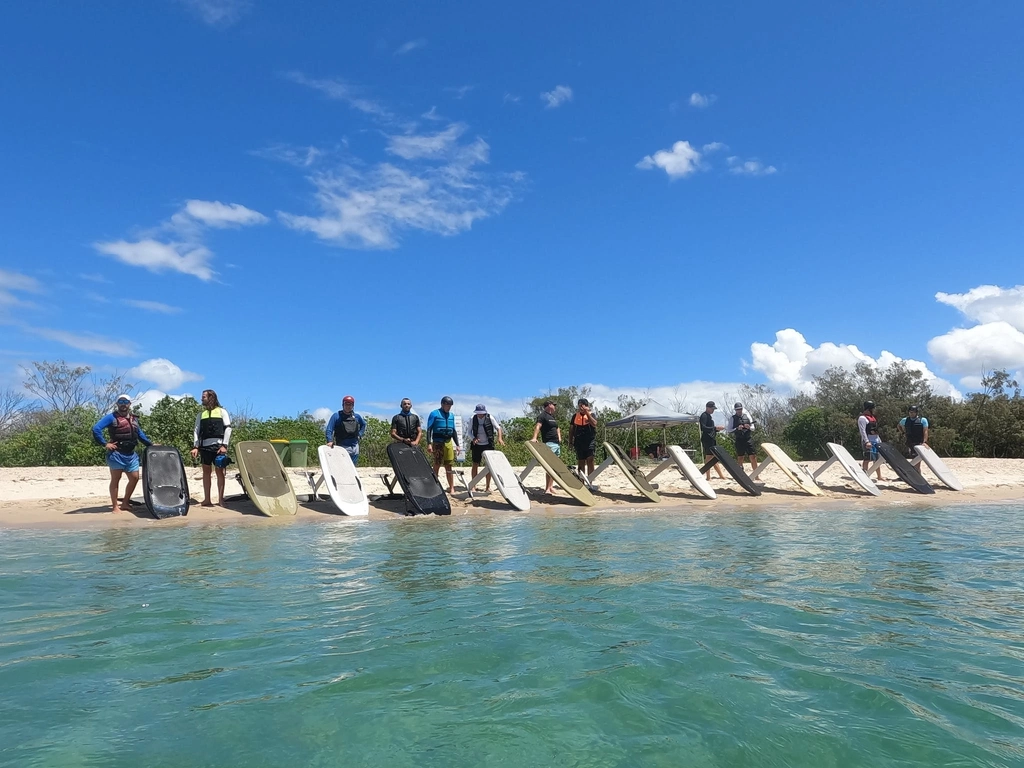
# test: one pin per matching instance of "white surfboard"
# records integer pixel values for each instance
(856, 473)
(690, 471)
(937, 466)
(342, 481)
(800, 477)
(506, 480)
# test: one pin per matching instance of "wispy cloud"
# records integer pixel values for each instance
(84, 342)
(556, 97)
(218, 13)
(714, 146)
(300, 157)
(410, 46)
(339, 90)
(94, 278)
(184, 250)
(153, 306)
(702, 101)
(15, 281)
(510, 98)
(459, 91)
(749, 167)
(680, 161)
(162, 372)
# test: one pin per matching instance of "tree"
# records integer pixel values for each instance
(806, 433)
(13, 410)
(64, 388)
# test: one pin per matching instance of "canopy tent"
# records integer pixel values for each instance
(652, 416)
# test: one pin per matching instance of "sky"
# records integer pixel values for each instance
(291, 202)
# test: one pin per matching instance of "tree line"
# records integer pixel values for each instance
(55, 429)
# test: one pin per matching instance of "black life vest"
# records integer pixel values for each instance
(871, 428)
(124, 432)
(741, 434)
(915, 430)
(406, 424)
(346, 427)
(211, 425)
(488, 427)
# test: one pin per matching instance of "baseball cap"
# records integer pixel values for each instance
(481, 408)
(121, 398)
(710, 404)
(348, 399)
(738, 406)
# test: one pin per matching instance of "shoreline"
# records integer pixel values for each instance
(75, 497)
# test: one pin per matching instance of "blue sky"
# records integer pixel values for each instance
(289, 202)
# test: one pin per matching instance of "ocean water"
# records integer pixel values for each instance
(773, 638)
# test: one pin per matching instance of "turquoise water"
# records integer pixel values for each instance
(789, 638)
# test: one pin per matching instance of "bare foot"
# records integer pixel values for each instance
(126, 507)
(115, 509)
(206, 504)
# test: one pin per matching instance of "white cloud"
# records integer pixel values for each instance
(714, 146)
(989, 304)
(161, 257)
(163, 373)
(151, 397)
(323, 414)
(702, 101)
(791, 363)
(459, 91)
(85, 342)
(301, 157)
(682, 160)
(152, 306)
(979, 349)
(15, 281)
(339, 90)
(749, 167)
(220, 215)
(557, 96)
(218, 13)
(510, 98)
(441, 144)
(410, 46)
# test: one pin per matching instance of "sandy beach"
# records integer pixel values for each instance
(76, 496)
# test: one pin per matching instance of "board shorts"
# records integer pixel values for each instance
(353, 451)
(478, 451)
(912, 451)
(706, 447)
(872, 454)
(208, 454)
(585, 450)
(123, 462)
(444, 453)
(556, 448)
(745, 446)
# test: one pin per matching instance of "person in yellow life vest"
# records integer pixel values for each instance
(210, 440)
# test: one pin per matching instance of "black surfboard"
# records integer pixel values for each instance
(904, 470)
(423, 492)
(734, 469)
(164, 486)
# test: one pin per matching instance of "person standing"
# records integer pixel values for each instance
(709, 437)
(550, 434)
(914, 429)
(867, 425)
(741, 427)
(405, 426)
(123, 436)
(443, 438)
(583, 436)
(483, 431)
(346, 428)
(210, 438)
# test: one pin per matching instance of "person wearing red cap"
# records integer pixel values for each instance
(346, 428)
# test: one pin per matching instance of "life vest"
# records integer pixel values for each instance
(915, 430)
(583, 430)
(871, 428)
(443, 433)
(488, 428)
(124, 432)
(211, 425)
(738, 421)
(346, 427)
(406, 425)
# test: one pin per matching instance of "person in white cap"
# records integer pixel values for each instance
(124, 435)
(483, 431)
(741, 428)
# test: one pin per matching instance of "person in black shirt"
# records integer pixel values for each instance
(550, 434)
(583, 436)
(709, 436)
(405, 426)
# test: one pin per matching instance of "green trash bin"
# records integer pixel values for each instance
(298, 450)
(281, 446)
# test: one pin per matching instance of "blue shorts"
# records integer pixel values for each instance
(353, 451)
(556, 448)
(124, 462)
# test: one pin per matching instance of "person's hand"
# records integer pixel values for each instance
(500, 441)
(223, 449)
(195, 452)
(110, 446)
(533, 439)
(330, 444)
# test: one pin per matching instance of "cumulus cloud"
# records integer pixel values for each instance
(181, 249)
(163, 373)
(323, 414)
(997, 341)
(151, 397)
(556, 97)
(749, 167)
(790, 363)
(702, 101)
(678, 162)
(10, 282)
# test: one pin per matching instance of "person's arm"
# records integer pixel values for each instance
(99, 426)
(362, 426)
(419, 432)
(394, 430)
(456, 428)
(558, 431)
(730, 425)
(902, 426)
(329, 429)
(536, 431)
(752, 426)
(195, 430)
(862, 425)
(924, 423)
(227, 431)
(572, 430)
(430, 425)
(592, 418)
(499, 432)
(143, 438)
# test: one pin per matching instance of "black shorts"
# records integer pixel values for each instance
(207, 455)
(584, 450)
(478, 451)
(744, 447)
(706, 447)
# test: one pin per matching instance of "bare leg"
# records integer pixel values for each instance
(133, 480)
(451, 478)
(590, 466)
(753, 461)
(220, 485)
(115, 479)
(207, 472)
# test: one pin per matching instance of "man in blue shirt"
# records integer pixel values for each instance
(124, 434)
(346, 428)
(443, 438)
(914, 429)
